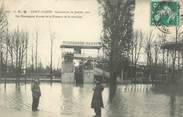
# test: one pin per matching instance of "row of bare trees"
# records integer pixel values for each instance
(13, 49)
(13, 52)
(148, 48)
(145, 47)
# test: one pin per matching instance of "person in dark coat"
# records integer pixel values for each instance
(97, 101)
(36, 93)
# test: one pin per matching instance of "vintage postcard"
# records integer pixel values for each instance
(91, 58)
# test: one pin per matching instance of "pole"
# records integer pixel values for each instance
(32, 62)
(51, 55)
(26, 59)
(36, 51)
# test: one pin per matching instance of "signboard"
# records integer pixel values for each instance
(81, 45)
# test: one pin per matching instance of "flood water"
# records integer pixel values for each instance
(74, 101)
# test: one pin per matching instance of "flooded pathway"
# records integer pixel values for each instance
(67, 100)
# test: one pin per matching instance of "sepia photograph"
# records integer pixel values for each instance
(91, 58)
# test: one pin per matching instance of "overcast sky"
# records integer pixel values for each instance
(87, 28)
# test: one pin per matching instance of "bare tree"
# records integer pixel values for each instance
(163, 38)
(52, 37)
(36, 56)
(17, 45)
(51, 57)
(26, 57)
(136, 48)
(148, 50)
(3, 34)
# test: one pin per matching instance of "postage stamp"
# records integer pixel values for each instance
(164, 13)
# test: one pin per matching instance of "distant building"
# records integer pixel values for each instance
(85, 70)
(178, 47)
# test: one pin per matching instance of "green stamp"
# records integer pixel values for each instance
(164, 13)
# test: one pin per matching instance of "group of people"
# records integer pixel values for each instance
(96, 104)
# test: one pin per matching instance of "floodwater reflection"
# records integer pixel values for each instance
(74, 101)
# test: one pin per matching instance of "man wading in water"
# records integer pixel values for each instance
(97, 101)
(36, 93)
